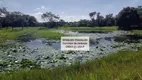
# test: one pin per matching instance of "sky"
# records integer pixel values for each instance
(69, 10)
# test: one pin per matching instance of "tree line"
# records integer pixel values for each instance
(128, 18)
(15, 19)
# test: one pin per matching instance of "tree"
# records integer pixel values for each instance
(84, 22)
(50, 18)
(100, 20)
(110, 20)
(61, 22)
(32, 21)
(128, 18)
(92, 16)
(139, 10)
(3, 13)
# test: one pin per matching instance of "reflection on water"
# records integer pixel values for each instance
(42, 43)
(37, 42)
(102, 41)
(57, 45)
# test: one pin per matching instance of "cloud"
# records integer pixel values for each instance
(68, 18)
(40, 8)
(62, 12)
(43, 7)
(2, 15)
(71, 18)
(38, 16)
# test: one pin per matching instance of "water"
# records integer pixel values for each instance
(36, 42)
(105, 40)
(47, 53)
(57, 45)
(42, 43)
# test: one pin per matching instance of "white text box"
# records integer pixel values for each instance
(75, 43)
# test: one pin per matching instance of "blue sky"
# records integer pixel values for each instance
(69, 10)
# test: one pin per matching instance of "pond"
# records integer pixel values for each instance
(95, 38)
(47, 54)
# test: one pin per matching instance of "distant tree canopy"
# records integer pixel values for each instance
(139, 11)
(128, 19)
(50, 18)
(97, 20)
(16, 19)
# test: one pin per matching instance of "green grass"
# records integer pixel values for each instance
(137, 32)
(9, 34)
(105, 29)
(48, 34)
(125, 65)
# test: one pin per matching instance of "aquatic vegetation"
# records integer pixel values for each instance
(139, 32)
(45, 53)
(123, 65)
(39, 52)
(25, 63)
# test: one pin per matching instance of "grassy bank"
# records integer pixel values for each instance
(105, 29)
(137, 32)
(125, 65)
(48, 34)
(9, 34)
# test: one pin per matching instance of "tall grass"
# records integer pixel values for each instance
(125, 65)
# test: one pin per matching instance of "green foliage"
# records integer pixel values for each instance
(27, 34)
(137, 31)
(103, 29)
(100, 20)
(16, 19)
(125, 65)
(49, 34)
(25, 63)
(128, 18)
(50, 19)
(139, 10)
(9, 34)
